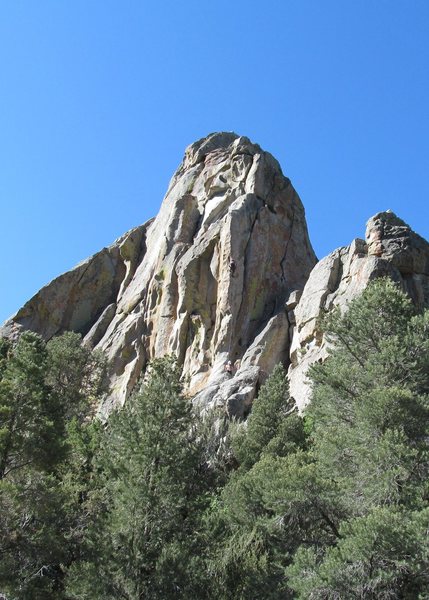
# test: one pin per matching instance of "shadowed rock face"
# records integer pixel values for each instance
(169, 285)
(390, 249)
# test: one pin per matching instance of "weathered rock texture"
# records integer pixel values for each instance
(168, 286)
(391, 249)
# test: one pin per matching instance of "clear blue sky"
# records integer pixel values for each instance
(99, 98)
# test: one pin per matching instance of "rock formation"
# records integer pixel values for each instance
(225, 272)
(206, 280)
(390, 249)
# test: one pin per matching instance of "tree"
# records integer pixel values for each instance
(332, 505)
(29, 420)
(149, 461)
(370, 413)
(256, 525)
(75, 375)
(36, 413)
(370, 405)
(383, 554)
(342, 513)
(273, 426)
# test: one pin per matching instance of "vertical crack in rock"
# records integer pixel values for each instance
(245, 277)
(218, 275)
(287, 246)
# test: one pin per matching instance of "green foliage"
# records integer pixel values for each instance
(29, 420)
(76, 376)
(273, 426)
(149, 462)
(383, 554)
(252, 538)
(39, 408)
(370, 406)
(370, 416)
(161, 504)
(5, 347)
(342, 513)
(213, 434)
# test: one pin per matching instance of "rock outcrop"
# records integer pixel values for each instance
(390, 249)
(225, 272)
(207, 280)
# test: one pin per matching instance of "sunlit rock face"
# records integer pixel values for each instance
(207, 280)
(225, 272)
(390, 249)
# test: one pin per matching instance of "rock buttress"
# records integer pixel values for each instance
(206, 280)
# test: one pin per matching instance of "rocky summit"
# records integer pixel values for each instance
(225, 278)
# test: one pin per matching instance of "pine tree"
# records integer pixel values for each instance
(29, 423)
(149, 462)
(370, 406)
(383, 554)
(343, 513)
(273, 426)
(251, 539)
(370, 413)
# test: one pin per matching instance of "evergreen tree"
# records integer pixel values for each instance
(149, 463)
(383, 554)
(273, 426)
(29, 424)
(334, 505)
(370, 405)
(343, 514)
(251, 539)
(75, 376)
(371, 428)
(35, 415)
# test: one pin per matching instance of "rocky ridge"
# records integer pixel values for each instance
(225, 272)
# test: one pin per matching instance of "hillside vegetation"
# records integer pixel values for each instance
(163, 503)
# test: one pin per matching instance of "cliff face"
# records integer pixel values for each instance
(225, 272)
(207, 279)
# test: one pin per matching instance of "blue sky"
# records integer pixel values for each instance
(99, 98)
